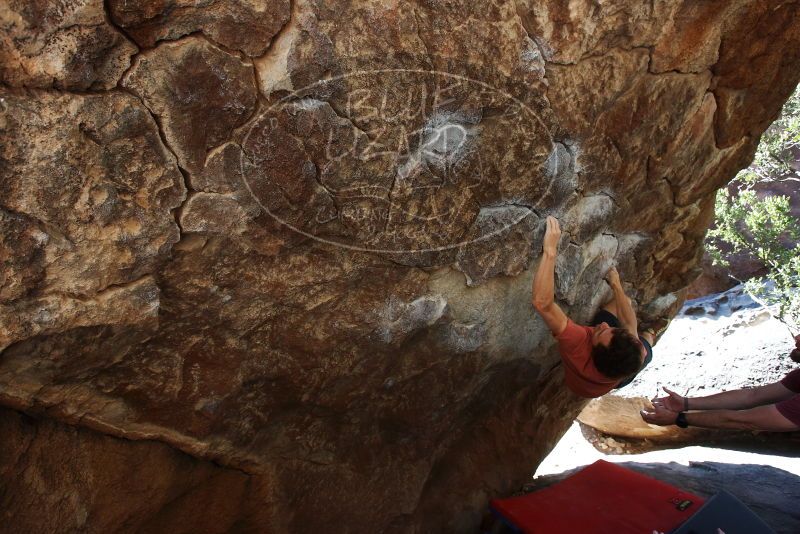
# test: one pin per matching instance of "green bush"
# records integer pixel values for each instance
(764, 228)
(776, 156)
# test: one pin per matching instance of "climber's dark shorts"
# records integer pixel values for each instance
(605, 316)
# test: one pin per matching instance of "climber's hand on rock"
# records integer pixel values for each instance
(659, 415)
(672, 401)
(552, 235)
(612, 277)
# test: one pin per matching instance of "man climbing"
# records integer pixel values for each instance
(600, 357)
(774, 407)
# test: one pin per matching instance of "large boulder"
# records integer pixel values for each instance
(298, 244)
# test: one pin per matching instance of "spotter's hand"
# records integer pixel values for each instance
(672, 401)
(659, 415)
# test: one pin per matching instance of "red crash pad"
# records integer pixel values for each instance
(601, 498)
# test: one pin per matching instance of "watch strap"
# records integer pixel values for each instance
(681, 420)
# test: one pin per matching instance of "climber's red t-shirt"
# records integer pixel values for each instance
(790, 408)
(580, 374)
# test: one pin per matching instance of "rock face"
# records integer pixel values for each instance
(68, 479)
(63, 45)
(88, 189)
(298, 241)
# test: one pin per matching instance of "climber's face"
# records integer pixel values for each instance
(602, 335)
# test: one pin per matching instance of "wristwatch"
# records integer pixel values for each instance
(681, 420)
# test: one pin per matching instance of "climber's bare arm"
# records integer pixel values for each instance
(543, 297)
(624, 309)
(543, 281)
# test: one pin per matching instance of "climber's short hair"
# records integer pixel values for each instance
(622, 357)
